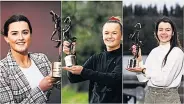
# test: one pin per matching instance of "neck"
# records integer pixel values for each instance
(22, 59)
(164, 43)
(112, 49)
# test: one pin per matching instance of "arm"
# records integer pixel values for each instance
(78, 78)
(113, 78)
(140, 76)
(171, 70)
(74, 78)
(6, 94)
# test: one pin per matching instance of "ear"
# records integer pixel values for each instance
(6, 39)
(121, 37)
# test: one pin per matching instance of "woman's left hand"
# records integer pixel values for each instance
(74, 69)
(135, 69)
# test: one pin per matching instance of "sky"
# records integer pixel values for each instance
(159, 3)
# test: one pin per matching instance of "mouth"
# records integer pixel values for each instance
(20, 43)
(164, 37)
(110, 40)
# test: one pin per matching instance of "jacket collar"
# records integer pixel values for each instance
(14, 66)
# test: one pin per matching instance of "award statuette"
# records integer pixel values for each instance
(70, 59)
(136, 45)
(56, 66)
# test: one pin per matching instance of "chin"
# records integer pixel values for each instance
(164, 41)
(22, 51)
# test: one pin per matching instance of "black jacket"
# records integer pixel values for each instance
(104, 71)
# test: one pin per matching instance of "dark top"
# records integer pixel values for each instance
(104, 71)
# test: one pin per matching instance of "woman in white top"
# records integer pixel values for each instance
(163, 68)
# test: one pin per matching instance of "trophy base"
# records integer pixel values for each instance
(132, 63)
(70, 60)
(56, 70)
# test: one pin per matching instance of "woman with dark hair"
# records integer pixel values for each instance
(103, 70)
(163, 68)
(24, 76)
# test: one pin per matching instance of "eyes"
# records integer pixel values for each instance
(167, 29)
(107, 33)
(24, 32)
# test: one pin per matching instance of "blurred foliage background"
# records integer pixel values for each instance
(87, 19)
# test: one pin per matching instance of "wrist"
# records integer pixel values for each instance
(143, 70)
(139, 58)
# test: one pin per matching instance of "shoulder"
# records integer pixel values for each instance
(4, 62)
(154, 50)
(96, 57)
(3, 65)
(99, 55)
(176, 51)
(37, 55)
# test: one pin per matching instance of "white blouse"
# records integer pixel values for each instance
(33, 74)
(167, 76)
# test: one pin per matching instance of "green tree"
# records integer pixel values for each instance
(165, 11)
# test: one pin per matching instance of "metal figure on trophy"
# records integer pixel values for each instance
(66, 35)
(136, 46)
(56, 66)
(70, 59)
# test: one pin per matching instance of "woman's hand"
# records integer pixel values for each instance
(66, 48)
(74, 69)
(135, 69)
(46, 83)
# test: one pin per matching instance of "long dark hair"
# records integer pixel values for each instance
(174, 42)
(15, 18)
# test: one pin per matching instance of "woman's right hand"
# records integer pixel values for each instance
(66, 48)
(46, 83)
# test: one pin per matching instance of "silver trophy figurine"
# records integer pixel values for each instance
(70, 59)
(136, 45)
(56, 66)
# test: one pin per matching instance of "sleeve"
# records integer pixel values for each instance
(7, 97)
(172, 68)
(78, 78)
(74, 78)
(109, 79)
(49, 64)
(144, 77)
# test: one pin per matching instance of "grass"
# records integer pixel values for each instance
(71, 96)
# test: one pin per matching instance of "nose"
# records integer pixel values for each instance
(21, 37)
(110, 35)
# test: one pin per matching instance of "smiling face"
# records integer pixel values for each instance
(112, 36)
(19, 37)
(165, 32)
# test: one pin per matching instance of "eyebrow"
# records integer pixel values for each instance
(14, 31)
(22, 30)
(164, 28)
